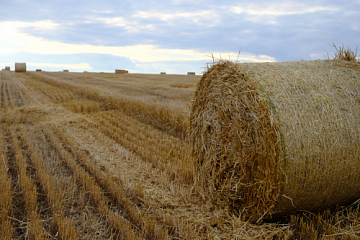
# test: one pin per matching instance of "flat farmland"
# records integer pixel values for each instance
(106, 156)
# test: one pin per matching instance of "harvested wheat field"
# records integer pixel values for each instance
(121, 156)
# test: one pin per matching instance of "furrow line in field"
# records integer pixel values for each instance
(65, 227)
(9, 96)
(159, 117)
(35, 229)
(54, 93)
(6, 193)
(120, 225)
(136, 185)
(5, 102)
(150, 228)
(23, 92)
(179, 149)
(15, 92)
(176, 164)
(1, 94)
(147, 129)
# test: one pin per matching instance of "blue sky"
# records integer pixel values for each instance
(173, 36)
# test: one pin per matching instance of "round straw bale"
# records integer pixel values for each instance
(276, 139)
(119, 71)
(20, 67)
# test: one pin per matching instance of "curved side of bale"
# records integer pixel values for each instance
(244, 130)
(20, 67)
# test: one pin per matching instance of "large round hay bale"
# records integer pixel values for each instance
(20, 67)
(277, 137)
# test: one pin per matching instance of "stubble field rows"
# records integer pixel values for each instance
(104, 156)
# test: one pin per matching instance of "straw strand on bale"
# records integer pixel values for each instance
(275, 141)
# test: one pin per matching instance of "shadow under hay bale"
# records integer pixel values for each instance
(20, 67)
(272, 141)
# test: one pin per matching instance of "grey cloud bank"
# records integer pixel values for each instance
(280, 30)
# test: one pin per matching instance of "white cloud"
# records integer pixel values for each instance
(267, 13)
(118, 21)
(15, 41)
(131, 26)
(205, 17)
(101, 11)
(60, 65)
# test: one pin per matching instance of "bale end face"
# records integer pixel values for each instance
(235, 140)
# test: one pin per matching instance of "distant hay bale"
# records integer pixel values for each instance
(163, 73)
(85, 71)
(191, 73)
(7, 68)
(20, 67)
(65, 70)
(278, 137)
(38, 70)
(118, 71)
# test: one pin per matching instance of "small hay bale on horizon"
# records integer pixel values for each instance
(65, 70)
(7, 68)
(20, 67)
(271, 139)
(119, 71)
(163, 73)
(38, 70)
(191, 73)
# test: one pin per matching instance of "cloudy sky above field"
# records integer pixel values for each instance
(173, 36)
